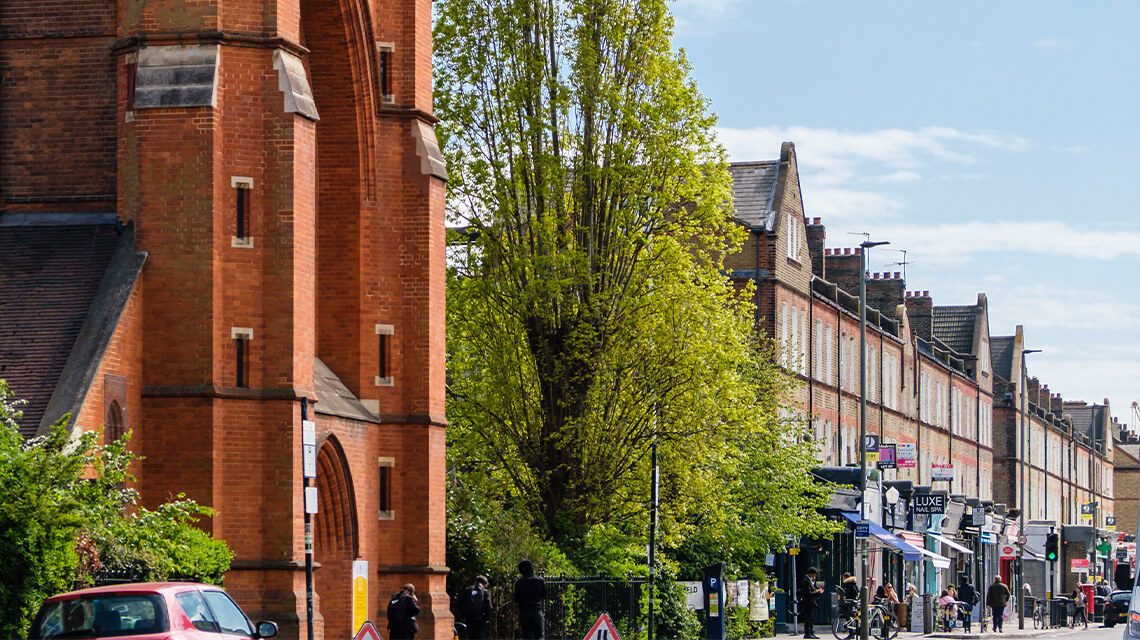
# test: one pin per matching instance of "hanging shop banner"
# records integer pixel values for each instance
(905, 455)
(941, 472)
(887, 456)
(1079, 565)
(1110, 523)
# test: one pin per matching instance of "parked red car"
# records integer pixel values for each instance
(146, 611)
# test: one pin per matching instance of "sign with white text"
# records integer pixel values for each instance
(928, 504)
(941, 472)
(905, 455)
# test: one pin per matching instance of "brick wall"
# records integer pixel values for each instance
(58, 102)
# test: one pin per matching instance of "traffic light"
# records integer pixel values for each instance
(1051, 542)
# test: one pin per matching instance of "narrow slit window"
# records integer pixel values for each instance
(242, 357)
(386, 508)
(384, 336)
(242, 213)
(241, 337)
(384, 62)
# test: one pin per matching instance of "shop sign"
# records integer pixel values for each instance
(1079, 565)
(928, 504)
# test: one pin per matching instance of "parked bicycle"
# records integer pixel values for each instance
(881, 622)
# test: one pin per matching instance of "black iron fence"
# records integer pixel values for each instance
(573, 604)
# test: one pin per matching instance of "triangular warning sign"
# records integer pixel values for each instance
(603, 629)
(367, 632)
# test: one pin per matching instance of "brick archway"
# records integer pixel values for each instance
(339, 38)
(335, 539)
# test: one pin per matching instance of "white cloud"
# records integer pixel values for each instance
(849, 175)
(956, 243)
(701, 17)
(1052, 42)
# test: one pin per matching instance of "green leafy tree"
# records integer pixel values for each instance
(66, 513)
(587, 314)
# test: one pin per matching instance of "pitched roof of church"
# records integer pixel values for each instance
(61, 293)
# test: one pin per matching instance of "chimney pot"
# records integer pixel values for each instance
(925, 293)
(816, 220)
(898, 275)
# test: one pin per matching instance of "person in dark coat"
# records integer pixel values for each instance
(968, 596)
(477, 609)
(996, 598)
(402, 609)
(809, 600)
(530, 591)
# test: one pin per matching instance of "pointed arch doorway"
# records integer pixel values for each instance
(335, 539)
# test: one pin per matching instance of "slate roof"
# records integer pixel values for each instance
(49, 276)
(334, 398)
(1086, 418)
(1001, 356)
(753, 190)
(954, 326)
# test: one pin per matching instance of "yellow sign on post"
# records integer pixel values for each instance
(359, 593)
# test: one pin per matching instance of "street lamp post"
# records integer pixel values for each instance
(1021, 497)
(864, 594)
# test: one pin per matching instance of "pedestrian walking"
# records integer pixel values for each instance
(475, 607)
(996, 598)
(809, 599)
(968, 599)
(530, 591)
(403, 607)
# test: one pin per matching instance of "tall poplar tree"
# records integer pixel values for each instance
(587, 313)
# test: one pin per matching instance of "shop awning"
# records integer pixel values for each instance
(915, 540)
(950, 543)
(886, 538)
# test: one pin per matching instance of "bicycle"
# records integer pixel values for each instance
(881, 623)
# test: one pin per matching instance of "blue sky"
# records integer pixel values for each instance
(996, 142)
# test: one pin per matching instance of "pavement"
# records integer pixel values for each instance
(1009, 631)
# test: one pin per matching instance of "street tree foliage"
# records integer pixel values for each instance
(588, 316)
(67, 513)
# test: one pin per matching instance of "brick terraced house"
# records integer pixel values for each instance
(219, 217)
(953, 400)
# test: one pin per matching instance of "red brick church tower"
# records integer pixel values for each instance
(219, 215)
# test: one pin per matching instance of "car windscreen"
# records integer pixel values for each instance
(100, 616)
(1120, 597)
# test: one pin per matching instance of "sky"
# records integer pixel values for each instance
(996, 143)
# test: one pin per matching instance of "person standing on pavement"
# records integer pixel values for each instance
(530, 591)
(968, 598)
(809, 599)
(996, 598)
(476, 608)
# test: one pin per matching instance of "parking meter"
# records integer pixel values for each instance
(714, 602)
